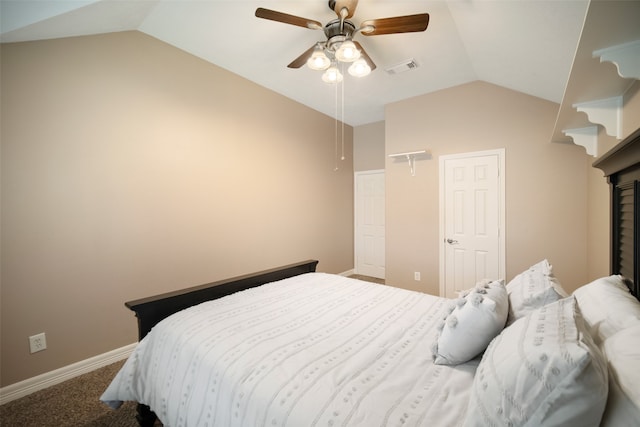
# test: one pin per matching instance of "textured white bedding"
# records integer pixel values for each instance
(312, 350)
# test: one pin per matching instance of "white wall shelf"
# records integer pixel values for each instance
(609, 42)
(411, 157)
(626, 57)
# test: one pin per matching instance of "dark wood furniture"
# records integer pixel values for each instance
(621, 166)
(152, 310)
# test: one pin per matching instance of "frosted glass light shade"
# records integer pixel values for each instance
(347, 52)
(318, 60)
(359, 68)
(332, 75)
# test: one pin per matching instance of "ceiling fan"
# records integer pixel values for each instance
(339, 45)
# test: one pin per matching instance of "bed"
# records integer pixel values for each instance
(294, 347)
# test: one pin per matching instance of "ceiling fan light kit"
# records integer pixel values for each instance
(339, 46)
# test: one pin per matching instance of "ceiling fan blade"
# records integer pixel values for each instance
(287, 19)
(398, 24)
(364, 56)
(338, 5)
(302, 59)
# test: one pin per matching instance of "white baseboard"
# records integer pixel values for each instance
(347, 273)
(48, 379)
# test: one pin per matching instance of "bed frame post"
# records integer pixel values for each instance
(146, 417)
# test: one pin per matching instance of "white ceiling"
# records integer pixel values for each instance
(524, 45)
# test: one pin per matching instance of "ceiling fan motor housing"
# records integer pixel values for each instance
(337, 33)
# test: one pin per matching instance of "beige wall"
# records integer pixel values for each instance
(368, 147)
(131, 168)
(546, 183)
(631, 110)
(125, 175)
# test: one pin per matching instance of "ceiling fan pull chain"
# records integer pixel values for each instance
(343, 83)
(336, 127)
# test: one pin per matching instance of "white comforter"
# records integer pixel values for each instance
(312, 350)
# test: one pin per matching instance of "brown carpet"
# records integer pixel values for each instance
(73, 403)
(367, 278)
(76, 402)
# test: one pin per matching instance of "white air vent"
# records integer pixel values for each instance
(407, 65)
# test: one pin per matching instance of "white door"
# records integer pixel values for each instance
(369, 223)
(471, 220)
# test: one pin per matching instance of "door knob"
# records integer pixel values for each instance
(451, 241)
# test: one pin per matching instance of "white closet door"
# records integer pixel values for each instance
(370, 223)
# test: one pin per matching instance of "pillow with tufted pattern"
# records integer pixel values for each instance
(475, 319)
(532, 289)
(544, 370)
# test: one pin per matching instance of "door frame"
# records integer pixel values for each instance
(500, 152)
(355, 213)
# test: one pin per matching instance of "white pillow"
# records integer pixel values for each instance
(623, 354)
(532, 289)
(544, 370)
(607, 306)
(476, 318)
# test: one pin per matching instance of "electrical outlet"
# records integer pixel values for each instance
(37, 343)
(416, 276)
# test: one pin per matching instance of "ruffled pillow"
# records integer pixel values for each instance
(475, 319)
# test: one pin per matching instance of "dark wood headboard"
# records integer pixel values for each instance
(621, 166)
(151, 310)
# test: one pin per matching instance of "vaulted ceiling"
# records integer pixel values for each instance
(524, 45)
